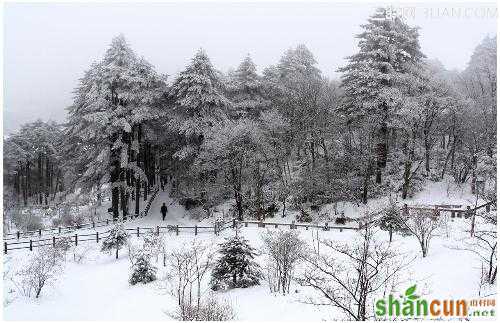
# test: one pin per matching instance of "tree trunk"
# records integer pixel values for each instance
(381, 152)
(366, 182)
(406, 178)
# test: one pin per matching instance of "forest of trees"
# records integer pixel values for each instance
(288, 137)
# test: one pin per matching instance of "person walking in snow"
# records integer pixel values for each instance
(164, 211)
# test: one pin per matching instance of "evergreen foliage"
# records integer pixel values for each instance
(236, 267)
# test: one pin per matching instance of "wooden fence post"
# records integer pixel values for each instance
(76, 239)
(93, 224)
(53, 241)
(138, 231)
(405, 210)
(195, 229)
(18, 235)
(59, 230)
(276, 226)
(177, 230)
(234, 223)
(5, 247)
(31, 245)
(107, 221)
(40, 232)
(164, 260)
(292, 226)
(246, 224)
(488, 207)
(158, 230)
(326, 227)
(97, 236)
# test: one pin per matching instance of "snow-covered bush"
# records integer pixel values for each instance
(209, 309)
(142, 270)
(27, 221)
(391, 220)
(116, 239)
(42, 269)
(284, 249)
(304, 216)
(236, 267)
(64, 243)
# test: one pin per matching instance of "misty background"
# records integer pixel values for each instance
(47, 47)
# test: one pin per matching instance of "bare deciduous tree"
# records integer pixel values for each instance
(187, 268)
(484, 245)
(284, 249)
(348, 276)
(422, 225)
(41, 270)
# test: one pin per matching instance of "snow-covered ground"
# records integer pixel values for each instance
(97, 287)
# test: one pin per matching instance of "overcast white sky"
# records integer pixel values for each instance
(47, 47)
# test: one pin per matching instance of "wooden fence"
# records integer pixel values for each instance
(455, 210)
(97, 236)
(216, 228)
(90, 225)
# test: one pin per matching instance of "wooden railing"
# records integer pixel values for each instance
(97, 236)
(89, 225)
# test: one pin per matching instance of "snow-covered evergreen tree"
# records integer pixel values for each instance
(236, 267)
(388, 49)
(116, 239)
(106, 125)
(142, 270)
(246, 90)
(198, 102)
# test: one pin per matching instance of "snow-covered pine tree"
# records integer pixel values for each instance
(388, 48)
(198, 102)
(107, 124)
(236, 267)
(246, 90)
(142, 270)
(116, 239)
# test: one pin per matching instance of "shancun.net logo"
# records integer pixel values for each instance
(412, 305)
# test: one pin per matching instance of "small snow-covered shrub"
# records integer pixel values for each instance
(64, 243)
(142, 270)
(304, 216)
(27, 221)
(340, 220)
(197, 214)
(116, 239)
(271, 210)
(209, 309)
(435, 175)
(391, 220)
(34, 223)
(41, 269)
(236, 267)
